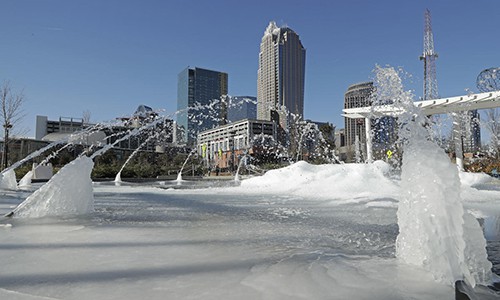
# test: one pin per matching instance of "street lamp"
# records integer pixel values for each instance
(7, 126)
(233, 134)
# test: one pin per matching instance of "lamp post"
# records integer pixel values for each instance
(233, 134)
(7, 126)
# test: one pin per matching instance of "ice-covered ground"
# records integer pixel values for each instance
(303, 232)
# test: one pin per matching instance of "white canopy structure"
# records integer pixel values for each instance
(428, 107)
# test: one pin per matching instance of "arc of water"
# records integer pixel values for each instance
(86, 196)
(33, 155)
(49, 146)
(242, 161)
(306, 130)
(130, 133)
(26, 180)
(179, 175)
(118, 175)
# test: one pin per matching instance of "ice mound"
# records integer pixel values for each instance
(8, 180)
(472, 179)
(435, 232)
(68, 192)
(26, 180)
(326, 181)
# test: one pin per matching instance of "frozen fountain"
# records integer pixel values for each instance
(118, 178)
(308, 128)
(179, 175)
(28, 177)
(69, 191)
(435, 232)
(8, 179)
(269, 237)
(243, 160)
(25, 182)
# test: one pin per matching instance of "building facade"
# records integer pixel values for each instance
(199, 105)
(44, 126)
(76, 131)
(224, 146)
(357, 95)
(383, 129)
(281, 73)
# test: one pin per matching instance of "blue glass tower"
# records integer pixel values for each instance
(199, 106)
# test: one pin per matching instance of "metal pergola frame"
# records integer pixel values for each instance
(428, 107)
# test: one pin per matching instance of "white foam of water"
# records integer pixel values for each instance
(331, 181)
(472, 179)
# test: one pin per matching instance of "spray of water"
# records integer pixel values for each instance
(69, 191)
(243, 160)
(118, 177)
(67, 140)
(179, 175)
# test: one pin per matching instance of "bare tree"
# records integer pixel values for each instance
(492, 124)
(489, 80)
(86, 116)
(10, 115)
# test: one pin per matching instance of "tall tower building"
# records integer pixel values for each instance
(199, 105)
(281, 74)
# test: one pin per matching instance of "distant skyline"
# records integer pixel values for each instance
(108, 57)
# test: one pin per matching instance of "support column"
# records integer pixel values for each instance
(458, 140)
(368, 134)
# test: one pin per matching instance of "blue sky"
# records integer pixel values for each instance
(109, 56)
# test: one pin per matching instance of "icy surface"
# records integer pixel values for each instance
(68, 192)
(172, 242)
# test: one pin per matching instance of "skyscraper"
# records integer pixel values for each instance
(199, 106)
(281, 74)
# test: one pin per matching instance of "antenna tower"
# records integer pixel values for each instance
(429, 58)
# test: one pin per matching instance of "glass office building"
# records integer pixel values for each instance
(199, 106)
